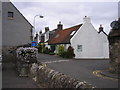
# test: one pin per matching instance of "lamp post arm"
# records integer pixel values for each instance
(34, 23)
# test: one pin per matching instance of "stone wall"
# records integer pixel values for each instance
(8, 53)
(49, 78)
(114, 54)
(114, 46)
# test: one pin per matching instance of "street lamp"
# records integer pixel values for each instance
(40, 16)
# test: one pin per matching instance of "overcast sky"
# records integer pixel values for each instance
(69, 13)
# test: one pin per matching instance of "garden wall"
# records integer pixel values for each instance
(49, 78)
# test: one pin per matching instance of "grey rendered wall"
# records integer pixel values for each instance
(15, 31)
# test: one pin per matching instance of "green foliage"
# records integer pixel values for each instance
(46, 51)
(51, 53)
(60, 50)
(43, 47)
(64, 54)
(39, 48)
(52, 48)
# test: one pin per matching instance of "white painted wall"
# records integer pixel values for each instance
(105, 43)
(91, 41)
(47, 36)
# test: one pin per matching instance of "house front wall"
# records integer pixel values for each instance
(16, 30)
(87, 43)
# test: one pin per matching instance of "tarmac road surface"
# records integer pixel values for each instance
(80, 69)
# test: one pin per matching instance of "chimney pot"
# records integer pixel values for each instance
(100, 28)
(46, 29)
(86, 19)
(59, 26)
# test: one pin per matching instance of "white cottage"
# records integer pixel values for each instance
(87, 42)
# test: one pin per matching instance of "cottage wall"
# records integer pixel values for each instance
(105, 43)
(89, 42)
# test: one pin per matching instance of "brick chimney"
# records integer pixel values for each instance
(59, 26)
(46, 29)
(100, 28)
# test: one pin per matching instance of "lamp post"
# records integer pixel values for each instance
(34, 23)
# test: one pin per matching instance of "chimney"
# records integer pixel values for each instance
(86, 19)
(59, 26)
(100, 28)
(46, 29)
(36, 35)
(40, 32)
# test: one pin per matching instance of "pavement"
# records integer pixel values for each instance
(83, 70)
(10, 79)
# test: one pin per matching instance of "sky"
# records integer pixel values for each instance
(70, 13)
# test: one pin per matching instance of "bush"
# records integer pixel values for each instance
(52, 48)
(70, 52)
(27, 54)
(64, 54)
(51, 53)
(43, 48)
(39, 48)
(60, 50)
(46, 51)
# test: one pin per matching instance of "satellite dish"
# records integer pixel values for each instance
(115, 25)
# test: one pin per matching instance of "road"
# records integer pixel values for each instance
(10, 79)
(80, 69)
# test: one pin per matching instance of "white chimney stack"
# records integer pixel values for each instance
(86, 19)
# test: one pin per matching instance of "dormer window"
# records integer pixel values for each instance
(57, 36)
(10, 15)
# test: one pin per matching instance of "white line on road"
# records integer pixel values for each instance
(56, 61)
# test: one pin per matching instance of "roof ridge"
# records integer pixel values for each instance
(73, 26)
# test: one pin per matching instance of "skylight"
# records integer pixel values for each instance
(57, 36)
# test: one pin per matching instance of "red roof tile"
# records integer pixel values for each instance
(64, 36)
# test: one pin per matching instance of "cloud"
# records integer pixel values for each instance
(63, 0)
(69, 13)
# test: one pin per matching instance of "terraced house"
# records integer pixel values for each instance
(88, 43)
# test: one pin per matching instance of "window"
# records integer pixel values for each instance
(57, 36)
(79, 48)
(10, 15)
